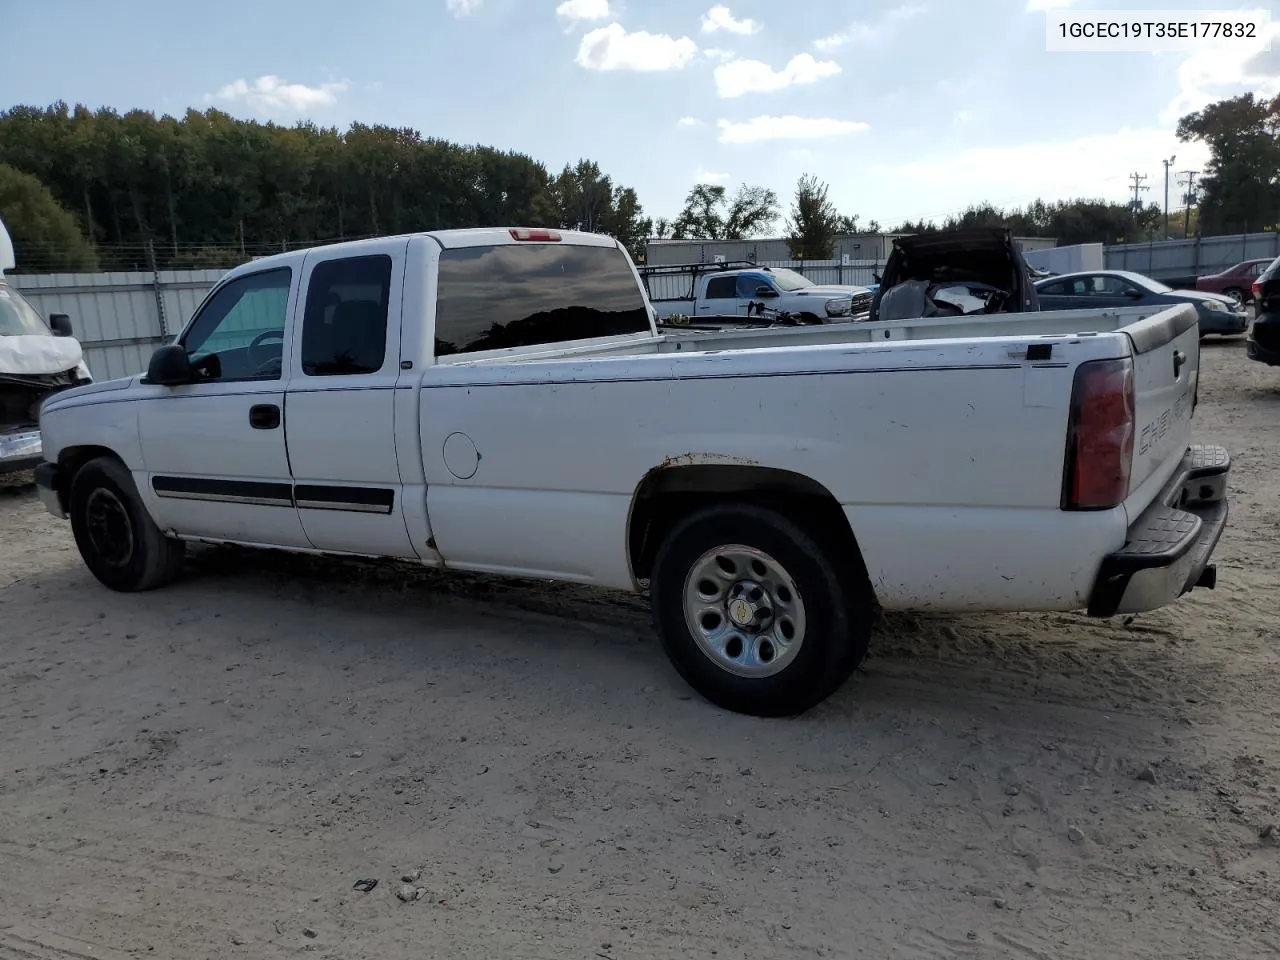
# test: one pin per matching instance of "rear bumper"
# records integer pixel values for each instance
(19, 451)
(1167, 549)
(1260, 353)
(1263, 344)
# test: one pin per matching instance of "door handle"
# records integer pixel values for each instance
(264, 416)
(1179, 358)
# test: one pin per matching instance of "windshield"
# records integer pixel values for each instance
(1155, 286)
(790, 280)
(17, 317)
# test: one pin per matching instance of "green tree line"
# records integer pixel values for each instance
(208, 189)
(84, 189)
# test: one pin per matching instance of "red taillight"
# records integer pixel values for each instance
(1099, 436)
(1257, 288)
(543, 236)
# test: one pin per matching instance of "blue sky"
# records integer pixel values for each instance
(907, 108)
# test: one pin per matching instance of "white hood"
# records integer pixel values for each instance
(830, 290)
(33, 354)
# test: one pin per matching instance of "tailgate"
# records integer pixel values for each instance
(1166, 369)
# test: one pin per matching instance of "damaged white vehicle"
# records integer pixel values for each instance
(36, 360)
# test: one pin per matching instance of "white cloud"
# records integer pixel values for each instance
(739, 77)
(270, 94)
(688, 122)
(612, 48)
(703, 175)
(721, 17)
(463, 8)
(1213, 73)
(1091, 166)
(863, 31)
(1034, 6)
(789, 127)
(712, 53)
(961, 117)
(578, 11)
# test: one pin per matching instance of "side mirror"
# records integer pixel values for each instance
(877, 278)
(1133, 294)
(169, 367)
(60, 324)
(764, 291)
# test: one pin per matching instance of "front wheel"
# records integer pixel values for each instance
(119, 542)
(755, 614)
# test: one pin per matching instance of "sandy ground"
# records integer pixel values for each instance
(207, 770)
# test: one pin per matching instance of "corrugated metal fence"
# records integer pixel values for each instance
(119, 318)
(1194, 257)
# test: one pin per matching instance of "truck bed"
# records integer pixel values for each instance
(1056, 323)
(942, 437)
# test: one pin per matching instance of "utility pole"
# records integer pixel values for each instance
(1136, 203)
(1167, 164)
(1187, 179)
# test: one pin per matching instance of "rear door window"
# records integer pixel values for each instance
(344, 329)
(527, 294)
(722, 288)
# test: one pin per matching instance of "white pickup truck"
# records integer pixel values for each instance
(36, 361)
(720, 292)
(501, 400)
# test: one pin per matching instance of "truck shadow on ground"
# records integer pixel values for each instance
(1134, 665)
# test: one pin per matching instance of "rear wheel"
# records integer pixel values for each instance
(1235, 293)
(119, 542)
(755, 614)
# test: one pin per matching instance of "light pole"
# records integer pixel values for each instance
(1167, 164)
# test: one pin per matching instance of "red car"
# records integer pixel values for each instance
(1236, 281)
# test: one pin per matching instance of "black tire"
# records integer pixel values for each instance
(838, 611)
(1236, 292)
(119, 542)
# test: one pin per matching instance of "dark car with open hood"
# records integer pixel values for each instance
(954, 272)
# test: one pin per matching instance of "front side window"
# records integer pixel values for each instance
(344, 326)
(527, 294)
(239, 332)
(1056, 289)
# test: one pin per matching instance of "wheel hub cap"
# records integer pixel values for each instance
(744, 611)
(746, 604)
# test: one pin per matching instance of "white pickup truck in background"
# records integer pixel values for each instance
(699, 292)
(501, 400)
(36, 361)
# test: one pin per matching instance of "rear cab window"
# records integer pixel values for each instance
(529, 294)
